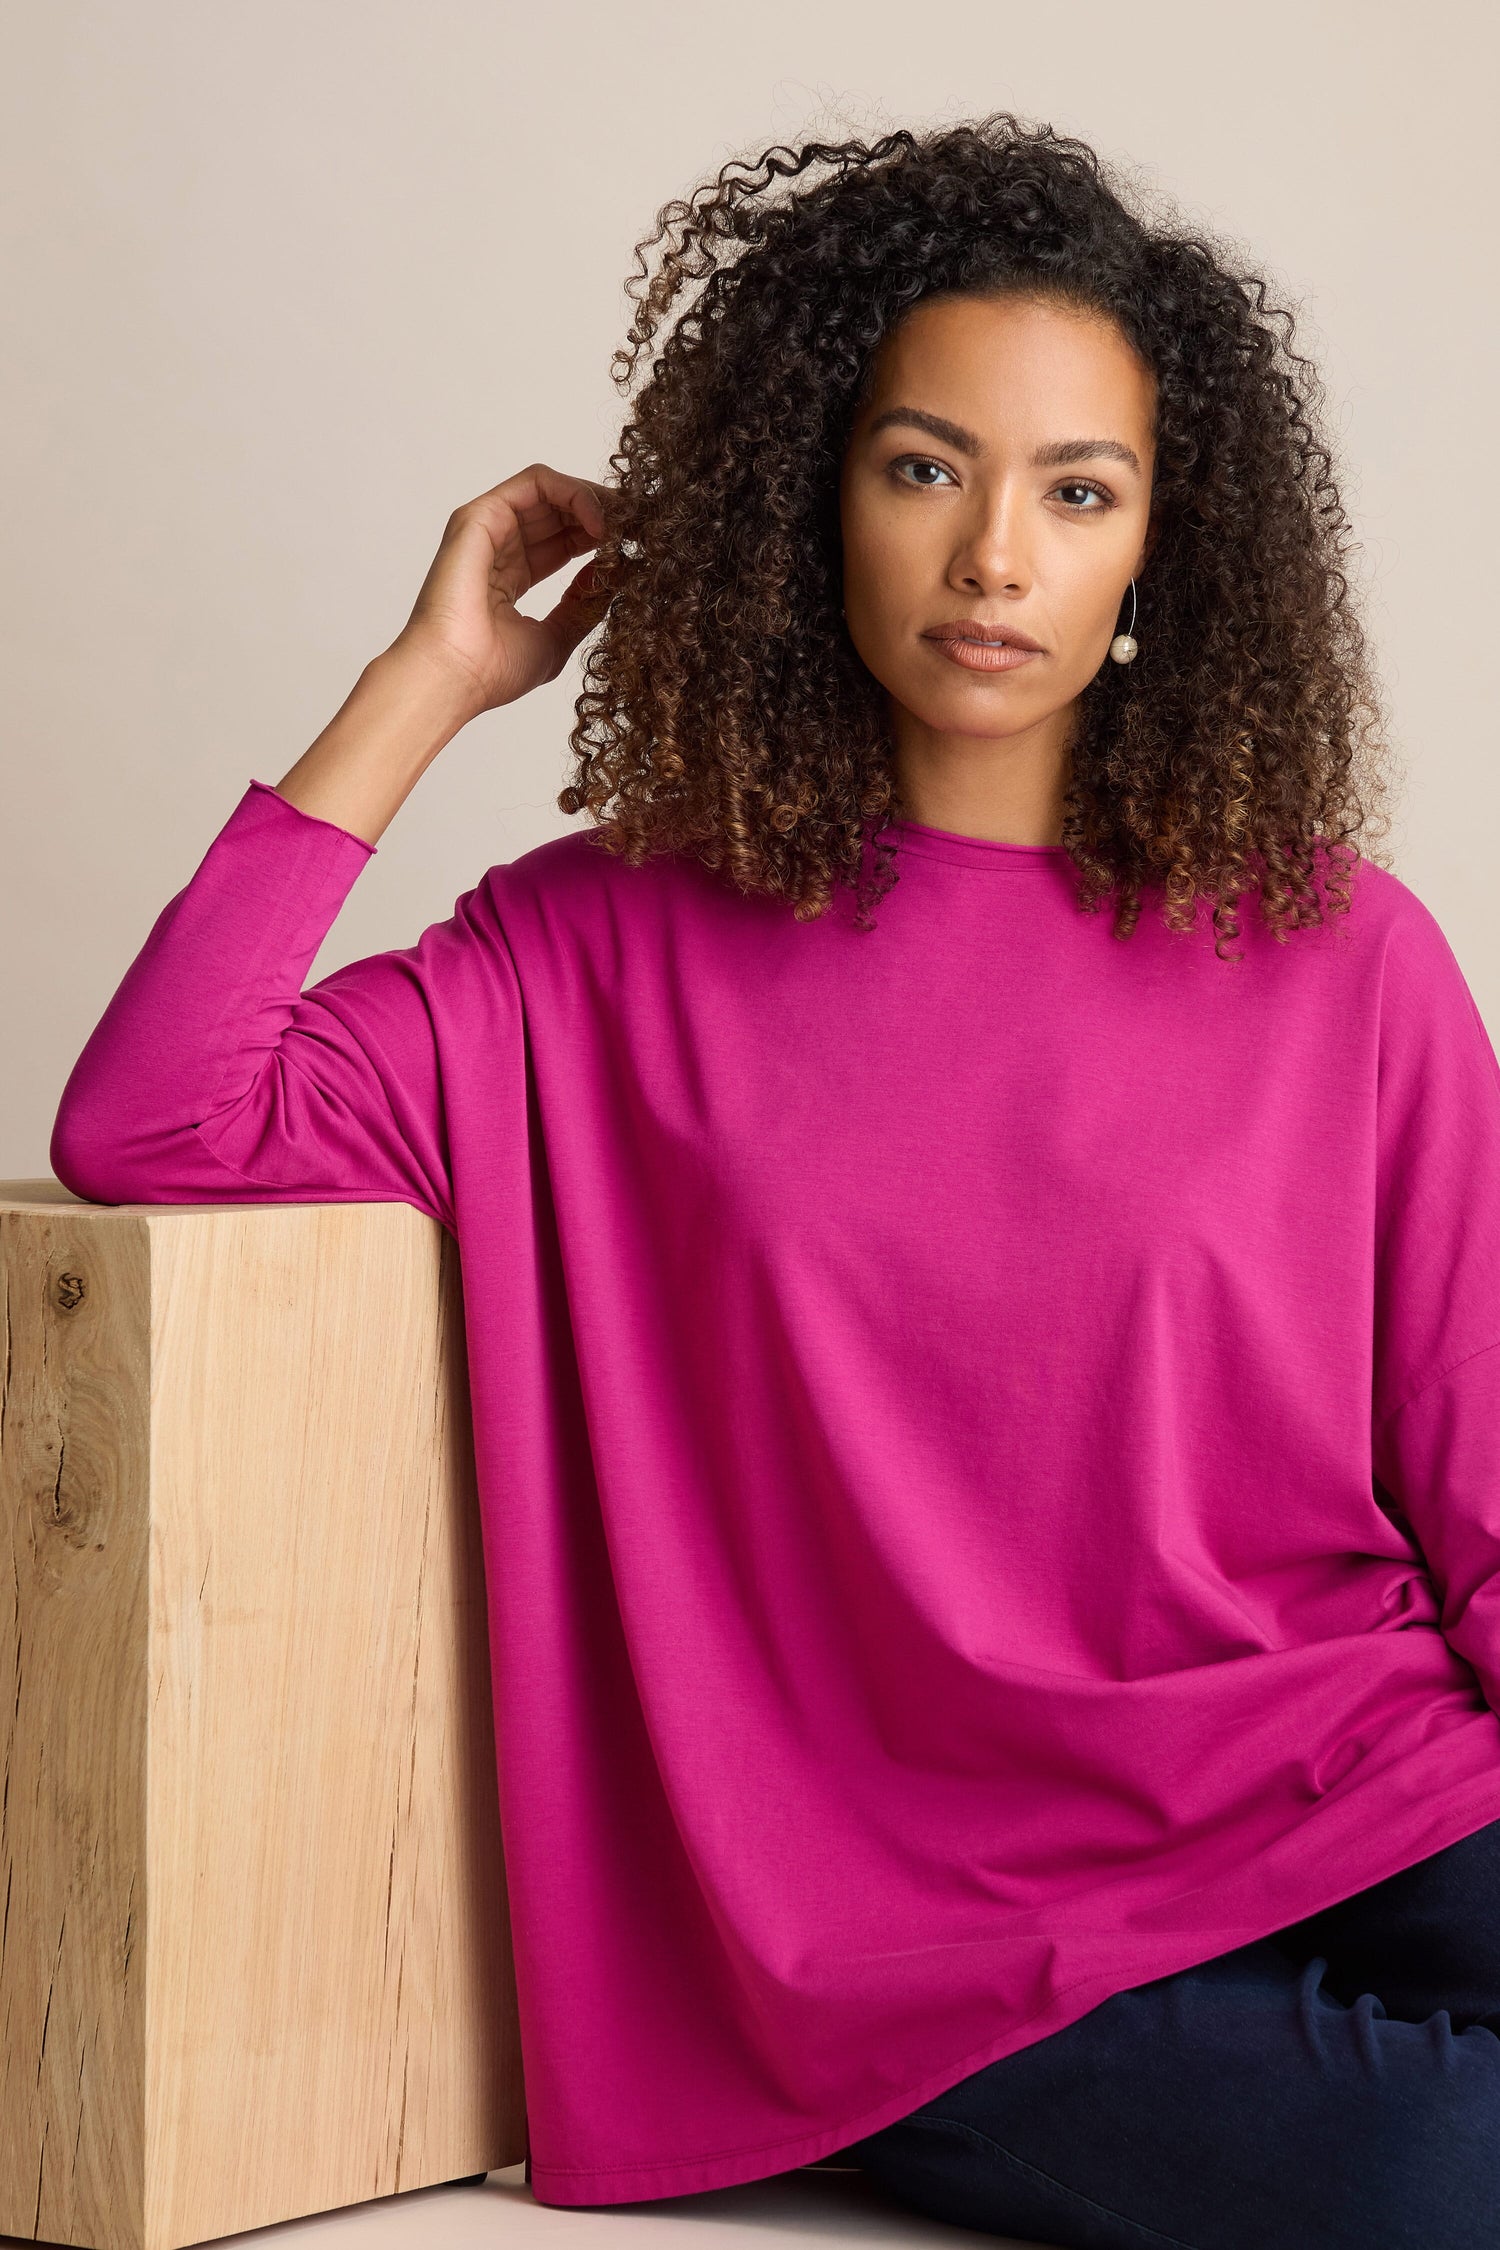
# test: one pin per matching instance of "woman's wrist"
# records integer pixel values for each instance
(402, 710)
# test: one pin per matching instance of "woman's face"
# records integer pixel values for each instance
(999, 475)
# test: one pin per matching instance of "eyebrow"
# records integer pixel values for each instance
(1052, 456)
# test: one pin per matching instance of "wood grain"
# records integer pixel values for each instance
(254, 1950)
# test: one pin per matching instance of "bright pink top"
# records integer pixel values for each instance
(949, 1401)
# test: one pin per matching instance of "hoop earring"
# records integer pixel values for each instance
(1123, 647)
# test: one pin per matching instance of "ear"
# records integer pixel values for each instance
(1153, 529)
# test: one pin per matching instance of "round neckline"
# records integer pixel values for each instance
(976, 851)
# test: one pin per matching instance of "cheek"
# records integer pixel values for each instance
(860, 569)
(884, 562)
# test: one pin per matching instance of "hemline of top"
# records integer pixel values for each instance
(1450, 1815)
(984, 852)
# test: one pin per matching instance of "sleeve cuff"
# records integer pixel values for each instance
(267, 789)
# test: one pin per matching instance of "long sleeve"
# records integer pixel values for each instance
(1436, 1431)
(212, 1076)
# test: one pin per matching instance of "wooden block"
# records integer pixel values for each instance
(255, 1953)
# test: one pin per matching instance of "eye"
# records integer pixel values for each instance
(919, 461)
(1083, 484)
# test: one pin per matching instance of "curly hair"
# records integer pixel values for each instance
(724, 712)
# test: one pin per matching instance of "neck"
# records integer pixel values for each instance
(1004, 789)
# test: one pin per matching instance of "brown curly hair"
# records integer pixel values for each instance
(725, 713)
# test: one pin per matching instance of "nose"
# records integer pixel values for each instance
(990, 555)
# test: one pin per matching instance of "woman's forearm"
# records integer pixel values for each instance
(402, 710)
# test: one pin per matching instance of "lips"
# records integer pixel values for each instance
(988, 636)
(982, 648)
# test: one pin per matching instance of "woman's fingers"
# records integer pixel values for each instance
(541, 502)
(494, 549)
(551, 552)
(541, 517)
(576, 612)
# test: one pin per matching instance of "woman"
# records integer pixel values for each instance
(987, 1414)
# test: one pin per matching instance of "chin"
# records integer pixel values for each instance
(977, 710)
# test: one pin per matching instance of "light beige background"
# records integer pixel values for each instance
(285, 282)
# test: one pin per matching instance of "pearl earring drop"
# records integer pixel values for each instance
(1123, 647)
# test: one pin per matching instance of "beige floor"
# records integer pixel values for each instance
(839, 2206)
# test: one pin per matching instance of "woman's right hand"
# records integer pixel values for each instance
(494, 549)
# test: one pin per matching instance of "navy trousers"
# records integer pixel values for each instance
(1334, 2087)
